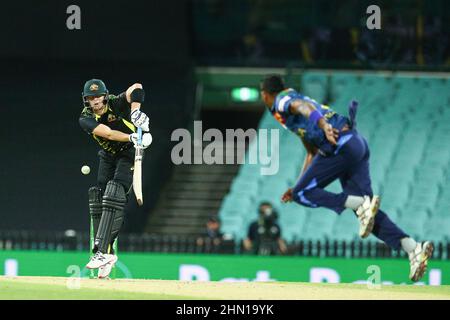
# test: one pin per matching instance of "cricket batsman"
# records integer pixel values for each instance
(111, 121)
(335, 150)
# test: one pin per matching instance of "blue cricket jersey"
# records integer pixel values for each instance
(302, 126)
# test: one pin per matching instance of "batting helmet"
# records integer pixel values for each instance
(94, 88)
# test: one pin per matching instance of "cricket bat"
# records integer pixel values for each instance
(137, 174)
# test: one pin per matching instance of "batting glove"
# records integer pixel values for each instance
(140, 119)
(146, 139)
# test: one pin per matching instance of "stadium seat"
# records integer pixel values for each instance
(314, 84)
(290, 233)
(232, 227)
(437, 229)
(442, 210)
(395, 196)
(415, 210)
(412, 226)
(346, 227)
(319, 225)
(295, 216)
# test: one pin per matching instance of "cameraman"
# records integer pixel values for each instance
(264, 234)
(212, 233)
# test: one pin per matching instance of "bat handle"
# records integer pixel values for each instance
(139, 132)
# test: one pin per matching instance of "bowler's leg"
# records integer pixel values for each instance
(309, 190)
(357, 182)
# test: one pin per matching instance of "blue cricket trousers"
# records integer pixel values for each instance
(349, 164)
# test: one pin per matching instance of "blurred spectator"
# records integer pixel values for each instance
(250, 49)
(401, 34)
(264, 234)
(262, 32)
(435, 41)
(212, 233)
(320, 43)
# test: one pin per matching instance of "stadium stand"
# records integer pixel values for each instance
(405, 119)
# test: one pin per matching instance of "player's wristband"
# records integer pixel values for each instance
(315, 116)
(137, 95)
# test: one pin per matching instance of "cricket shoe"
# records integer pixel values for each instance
(418, 260)
(99, 259)
(104, 271)
(366, 214)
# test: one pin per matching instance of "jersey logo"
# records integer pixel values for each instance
(328, 115)
(93, 87)
(301, 132)
(111, 117)
(280, 119)
(282, 103)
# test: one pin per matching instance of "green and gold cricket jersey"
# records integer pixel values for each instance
(117, 117)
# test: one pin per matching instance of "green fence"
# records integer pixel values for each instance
(224, 267)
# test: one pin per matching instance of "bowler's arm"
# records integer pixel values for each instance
(311, 151)
(106, 132)
(304, 108)
(307, 110)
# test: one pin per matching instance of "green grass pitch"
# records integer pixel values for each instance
(60, 288)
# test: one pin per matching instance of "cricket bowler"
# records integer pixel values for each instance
(335, 150)
(111, 121)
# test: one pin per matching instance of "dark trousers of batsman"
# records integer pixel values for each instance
(349, 164)
(107, 200)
